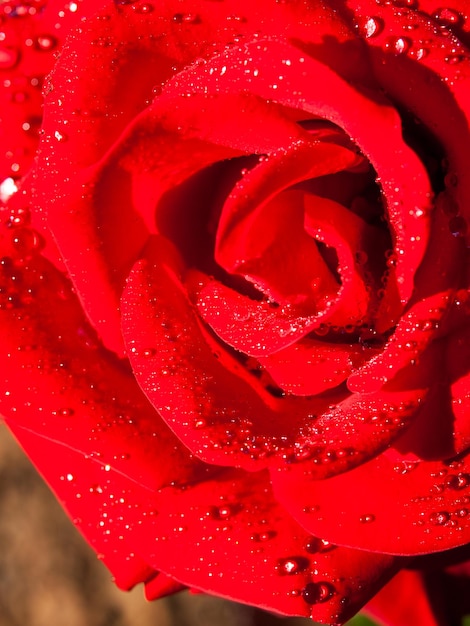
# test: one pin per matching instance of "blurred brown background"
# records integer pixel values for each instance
(50, 577)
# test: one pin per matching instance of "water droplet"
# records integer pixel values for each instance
(361, 257)
(398, 45)
(439, 518)
(368, 518)
(458, 226)
(263, 536)
(454, 59)
(222, 512)
(292, 565)
(315, 593)
(9, 57)
(448, 17)
(19, 97)
(7, 189)
(26, 241)
(186, 18)
(45, 43)
(372, 26)
(421, 53)
(405, 4)
(314, 545)
(60, 136)
(144, 8)
(149, 352)
(457, 481)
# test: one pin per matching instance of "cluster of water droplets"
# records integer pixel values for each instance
(22, 243)
(446, 20)
(449, 499)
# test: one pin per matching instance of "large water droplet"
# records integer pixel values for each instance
(398, 45)
(372, 26)
(45, 43)
(292, 565)
(315, 593)
(448, 17)
(9, 57)
(457, 481)
(439, 518)
(314, 545)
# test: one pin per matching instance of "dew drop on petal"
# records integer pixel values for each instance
(454, 59)
(371, 27)
(45, 43)
(457, 481)
(315, 593)
(292, 565)
(368, 518)
(314, 545)
(458, 226)
(439, 518)
(405, 4)
(144, 8)
(448, 17)
(398, 45)
(7, 189)
(9, 57)
(421, 53)
(361, 257)
(263, 536)
(186, 18)
(60, 136)
(223, 512)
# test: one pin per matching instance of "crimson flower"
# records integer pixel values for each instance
(234, 305)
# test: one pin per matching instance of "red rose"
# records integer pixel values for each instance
(234, 289)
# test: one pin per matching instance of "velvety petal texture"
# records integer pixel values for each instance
(234, 291)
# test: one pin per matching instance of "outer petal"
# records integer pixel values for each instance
(236, 540)
(429, 511)
(58, 380)
(404, 601)
(437, 69)
(32, 35)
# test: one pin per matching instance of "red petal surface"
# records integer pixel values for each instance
(384, 506)
(236, 540)
(437, 69)
(31, 37)
(338, 102)
(220, 410)
(58, 380)
(309, 367)
(404, 601)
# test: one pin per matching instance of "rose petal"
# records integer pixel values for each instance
(282, 567)
(30, 41)
(404, 601)
(220, 410)
(347, 107)
(83, 395)
(428, 512)
(310, 366)
(437, 69)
